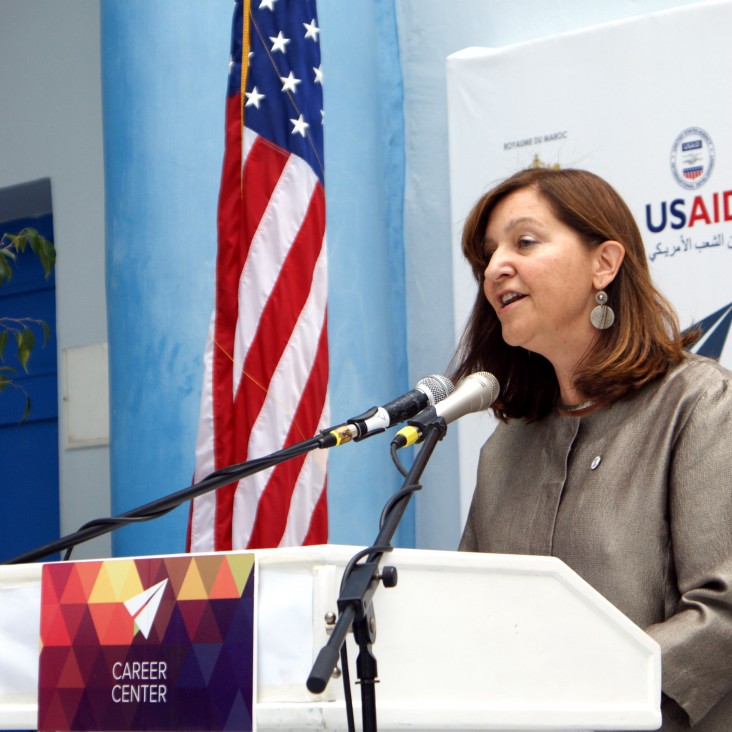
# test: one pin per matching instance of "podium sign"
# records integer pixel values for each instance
(163, 643)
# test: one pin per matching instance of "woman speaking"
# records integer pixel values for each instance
(613, 451)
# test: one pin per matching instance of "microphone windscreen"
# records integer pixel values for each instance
(436, 387)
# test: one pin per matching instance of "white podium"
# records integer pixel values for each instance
(464, 642)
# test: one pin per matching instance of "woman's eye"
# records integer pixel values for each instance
(526, 241)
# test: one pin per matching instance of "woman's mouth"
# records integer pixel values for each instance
(510, 297)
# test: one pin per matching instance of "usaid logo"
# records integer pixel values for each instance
(692, 158)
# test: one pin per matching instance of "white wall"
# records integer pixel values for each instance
(51, 126)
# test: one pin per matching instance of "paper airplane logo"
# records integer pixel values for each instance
(144, 607)
(713, 332)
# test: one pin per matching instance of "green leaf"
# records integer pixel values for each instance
(26, 411)
(25, 340)
(29, 338)
(6, 271)
(43, 248)
(48, 257)
(23, 356)
(18, 241)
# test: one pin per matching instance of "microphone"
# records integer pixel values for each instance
(473, 394)
(429, 391)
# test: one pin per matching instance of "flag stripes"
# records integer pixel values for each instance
(265, 384)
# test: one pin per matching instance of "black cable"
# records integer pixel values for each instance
(348, 697)
(395, 459)
(395, 499)
(363, 553)
(115, 522)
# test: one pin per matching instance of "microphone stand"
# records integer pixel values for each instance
(359, 584)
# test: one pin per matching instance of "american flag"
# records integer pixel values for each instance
(265, 384)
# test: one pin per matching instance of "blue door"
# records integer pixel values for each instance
(29, 450)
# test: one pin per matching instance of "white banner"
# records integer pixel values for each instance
(639, 102)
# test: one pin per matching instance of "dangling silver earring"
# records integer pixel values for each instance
(602, 316)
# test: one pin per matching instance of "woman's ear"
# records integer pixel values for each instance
(608, 257)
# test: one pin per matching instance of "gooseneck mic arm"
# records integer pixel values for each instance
(429, 391)
(160, 507)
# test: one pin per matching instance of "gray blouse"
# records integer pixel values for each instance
(637, 499)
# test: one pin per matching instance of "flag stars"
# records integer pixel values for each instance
(318, 74)
(289, 82)
(253, 98)
(311, 30)
(267, 4)
(299, 126)
(279, 43)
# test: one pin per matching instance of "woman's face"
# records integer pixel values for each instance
(539, 279)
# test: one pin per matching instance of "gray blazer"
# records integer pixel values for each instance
(637, 499)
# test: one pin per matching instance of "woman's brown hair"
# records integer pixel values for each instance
(645, 340)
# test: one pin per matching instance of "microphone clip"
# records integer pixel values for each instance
(417, 428)
(360, 424)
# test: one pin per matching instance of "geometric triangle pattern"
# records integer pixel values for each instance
(157, 643)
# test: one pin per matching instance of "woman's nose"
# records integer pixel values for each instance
(498, 265)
